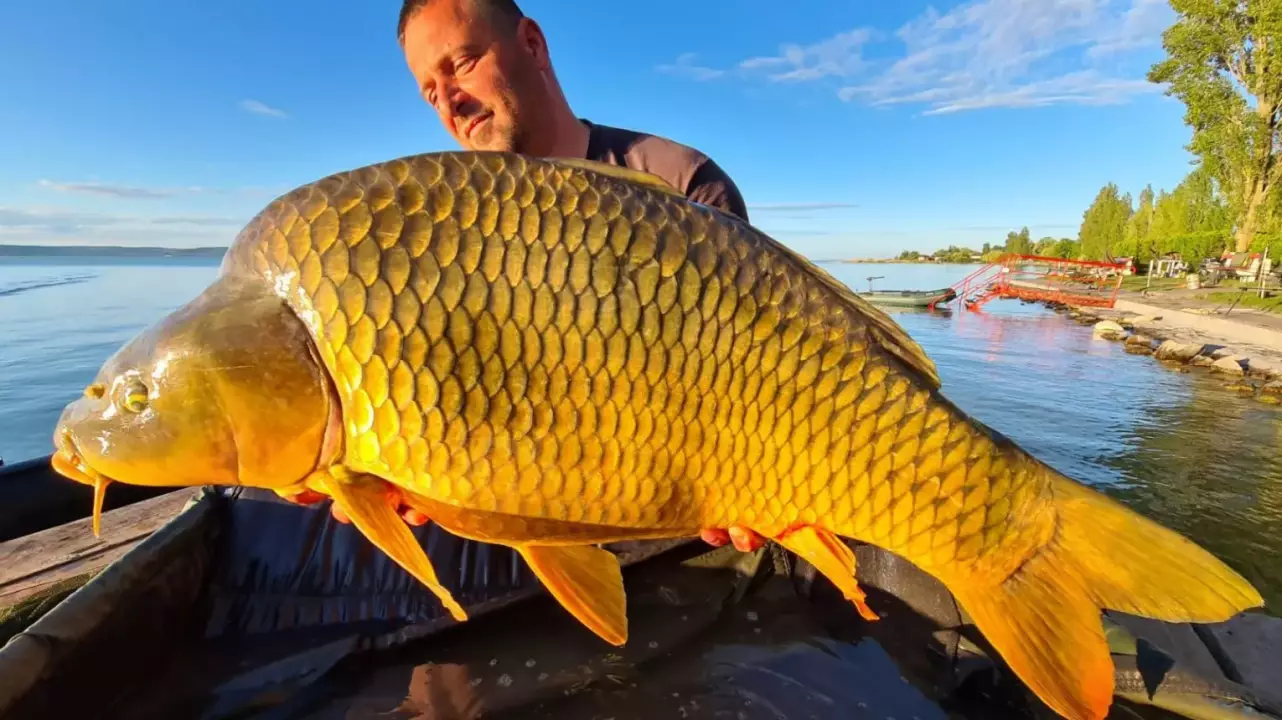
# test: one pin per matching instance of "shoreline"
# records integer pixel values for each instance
(1245, 350)
(44, 252)
(897, 261)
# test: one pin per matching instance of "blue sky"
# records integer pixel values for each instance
(853, 129)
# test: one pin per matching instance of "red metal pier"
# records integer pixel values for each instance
(1038, 278)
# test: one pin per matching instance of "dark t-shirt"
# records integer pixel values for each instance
(684, 168)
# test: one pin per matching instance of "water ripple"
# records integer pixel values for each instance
(40, 284)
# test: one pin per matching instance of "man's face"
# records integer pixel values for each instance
(476, 76)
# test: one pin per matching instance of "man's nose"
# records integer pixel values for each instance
(458, 100)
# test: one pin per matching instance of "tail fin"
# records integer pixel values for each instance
(1044, 619)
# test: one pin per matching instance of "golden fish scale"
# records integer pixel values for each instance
(524, 337)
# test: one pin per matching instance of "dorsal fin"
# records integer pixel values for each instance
(888, 333)
(639, 177)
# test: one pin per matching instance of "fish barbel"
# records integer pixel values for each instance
(552, 354)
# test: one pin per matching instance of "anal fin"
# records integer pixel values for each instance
(364, 499)
(588, 583)
(831, 557)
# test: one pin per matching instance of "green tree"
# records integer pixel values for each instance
(1193, 219)
(1019, 242)
(1224, 62)
(909, 255)
(1135, 239)
(1044, 247)
(1104, 223)
(954, 254)
(1067, 248)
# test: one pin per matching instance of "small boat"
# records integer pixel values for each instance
(232, 603)
(909, 298)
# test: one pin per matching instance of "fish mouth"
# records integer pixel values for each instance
(69, 462)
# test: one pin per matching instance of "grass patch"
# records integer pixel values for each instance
(1135, 283)
(1271, 302)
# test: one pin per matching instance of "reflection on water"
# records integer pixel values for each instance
(56, 333)
(1208, 466)
(1175, 445)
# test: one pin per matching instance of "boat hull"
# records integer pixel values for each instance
(909, 298)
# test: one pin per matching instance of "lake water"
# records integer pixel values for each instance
(1175, 446)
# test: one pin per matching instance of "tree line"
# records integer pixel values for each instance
(1223, 61)
(1020, 242)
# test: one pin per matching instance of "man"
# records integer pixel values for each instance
(485, 68)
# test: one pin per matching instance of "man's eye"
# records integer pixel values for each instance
(465, 64)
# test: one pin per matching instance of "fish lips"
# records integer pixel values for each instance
(84, 422)
(69, 461)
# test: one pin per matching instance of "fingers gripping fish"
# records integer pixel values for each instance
(553, 354)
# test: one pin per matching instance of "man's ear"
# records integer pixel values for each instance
(529, 36)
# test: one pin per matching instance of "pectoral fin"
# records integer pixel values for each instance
(831, 557)
(364, 499)
(586, 580)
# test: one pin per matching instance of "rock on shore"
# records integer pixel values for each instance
(1110, 330)
(1262, 368)
(1139, 344)
(1178, 352)
(1230, 365)
(1145, 335)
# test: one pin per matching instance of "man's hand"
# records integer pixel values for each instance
(394, 498)
(744, 539)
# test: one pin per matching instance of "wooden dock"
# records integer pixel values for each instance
(37, 571)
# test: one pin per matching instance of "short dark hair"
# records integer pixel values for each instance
(505, 10)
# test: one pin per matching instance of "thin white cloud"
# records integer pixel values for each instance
(260, 108)
(984, 54)
(1081, 88)
(22, 219)
(837, 56)
(200, 220)
(687, 67)
(1008, 228)
(802, 206)
(138, 192)
(1141, 26)
(112, 190)
(61, 226)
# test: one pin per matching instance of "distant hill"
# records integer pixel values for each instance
(107, 251)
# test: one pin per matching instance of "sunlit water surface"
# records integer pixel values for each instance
(1176, 446)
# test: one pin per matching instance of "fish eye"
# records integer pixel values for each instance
(133, 396)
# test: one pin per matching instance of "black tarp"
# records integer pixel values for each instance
(243, 580)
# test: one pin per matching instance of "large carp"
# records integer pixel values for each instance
(554, 354)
